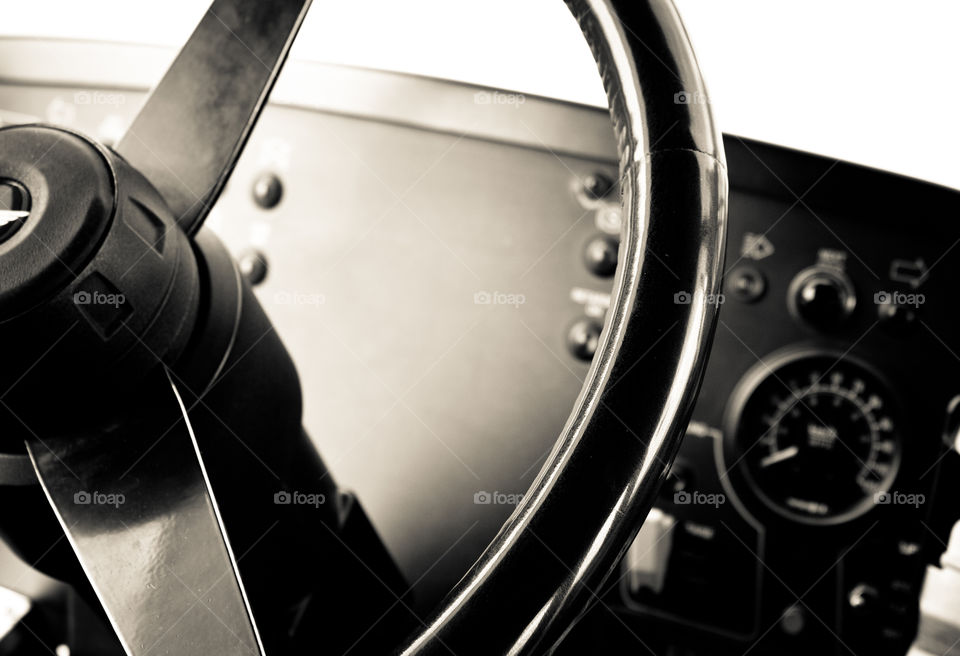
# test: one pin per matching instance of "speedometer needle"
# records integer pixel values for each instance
(779, 456)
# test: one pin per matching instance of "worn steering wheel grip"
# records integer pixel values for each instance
(549, 561)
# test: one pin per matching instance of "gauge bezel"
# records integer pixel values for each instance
(836, 275)
(730, 450)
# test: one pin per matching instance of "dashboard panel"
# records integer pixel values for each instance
(810, 479)
(438, 259)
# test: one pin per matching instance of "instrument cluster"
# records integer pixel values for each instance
(820, 430)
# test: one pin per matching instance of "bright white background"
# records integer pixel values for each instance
(871, 81)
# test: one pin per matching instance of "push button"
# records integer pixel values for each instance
(600, 256)
(267, 191)
(253, 266)
(597, 185)
(583, 338)
(747, 284)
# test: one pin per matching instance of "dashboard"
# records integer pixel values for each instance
(438, 258)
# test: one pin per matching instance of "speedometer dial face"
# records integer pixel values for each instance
(817, 439)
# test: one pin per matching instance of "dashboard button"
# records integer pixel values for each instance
(253, 266)
(600, 256)
(267, 191)
(747, 284)
(597, 185)
(822, 297)
(583, 338)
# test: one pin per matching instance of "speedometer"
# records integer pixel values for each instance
(815, 437)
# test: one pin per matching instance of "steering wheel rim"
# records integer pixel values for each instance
(590, 497)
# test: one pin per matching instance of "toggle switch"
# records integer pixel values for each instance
(646, 559)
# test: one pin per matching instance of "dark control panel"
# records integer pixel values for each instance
(811, 490)
(441, 280)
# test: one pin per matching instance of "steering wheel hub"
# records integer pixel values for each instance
(92, 262)
(58, 197)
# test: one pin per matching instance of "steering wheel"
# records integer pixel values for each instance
(125, 326)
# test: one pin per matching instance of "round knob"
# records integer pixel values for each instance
(822, 297)
(253, 266)
(583, 337)
(600, 256)
(267, 191)
(597, 185)
(746, 283)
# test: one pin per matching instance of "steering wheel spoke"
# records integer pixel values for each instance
(188, 136)
(135, 503)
